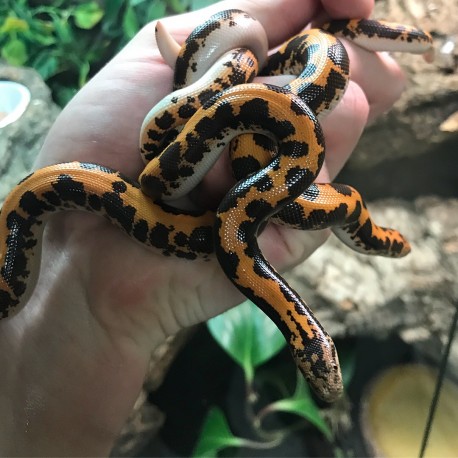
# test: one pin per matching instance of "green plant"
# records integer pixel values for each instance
(68, 41)
(251, 339)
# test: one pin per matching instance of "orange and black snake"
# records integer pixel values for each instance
(276, 160)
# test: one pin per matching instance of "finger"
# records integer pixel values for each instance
(282, 246)
(280, 18)
(342, 130)
(215, 185)
(286, 248)
(378, 74)
(345, 10)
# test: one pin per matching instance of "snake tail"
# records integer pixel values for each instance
(341, 208)
(321, 206)
(244, 30)
(376, 35)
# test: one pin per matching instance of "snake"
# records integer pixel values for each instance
(276, 147)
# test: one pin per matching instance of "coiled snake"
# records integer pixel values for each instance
(276, 160)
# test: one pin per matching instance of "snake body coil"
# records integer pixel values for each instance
(276, 148)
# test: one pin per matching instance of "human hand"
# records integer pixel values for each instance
(78, 353)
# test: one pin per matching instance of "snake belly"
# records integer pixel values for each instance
(182, 137)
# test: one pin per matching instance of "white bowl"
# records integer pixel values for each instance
(14, 98)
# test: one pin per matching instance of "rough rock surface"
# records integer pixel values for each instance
(21, 140)
(146, 419)
(414, 126)
(357, 295)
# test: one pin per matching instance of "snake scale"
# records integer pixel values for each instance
(276, 147)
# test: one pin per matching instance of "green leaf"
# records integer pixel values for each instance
(63, 30)
(64, 94)
(156, 10)
(14, 52)
(197, 4)
(215, 435)
(87, 15)
(247, 335)
(41, 32)
(347, 357)
(113, 10)
(13, 24)
(130, 23)
(46, 64)
(41, 39)
(178, 6)
(83, 73)
(302, 404)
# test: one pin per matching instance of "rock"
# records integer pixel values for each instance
(146, 419)
(413, 127)
(21, 140)
(143, 424)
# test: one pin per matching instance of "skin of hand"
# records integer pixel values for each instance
(75, 358)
